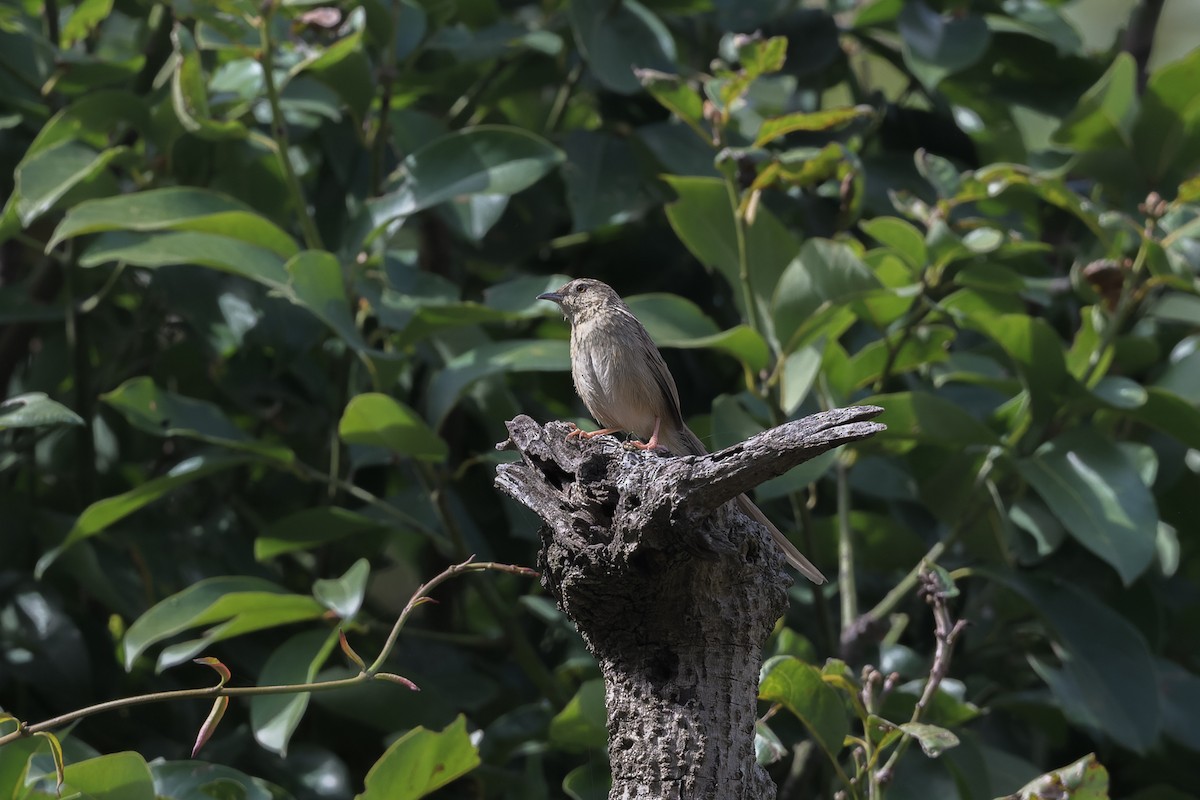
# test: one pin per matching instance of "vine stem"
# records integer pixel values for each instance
(946, 633)
(369, 674)
(739, 232)
(846, 579)
(906, 584)
(279, 137)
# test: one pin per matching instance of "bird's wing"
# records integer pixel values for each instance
(662, 375)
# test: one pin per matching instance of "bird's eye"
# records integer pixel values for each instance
(580, 287)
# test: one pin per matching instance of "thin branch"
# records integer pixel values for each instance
(946, 631)
(846, 579)
(1139, 36)
(371, 673)
(312, 238)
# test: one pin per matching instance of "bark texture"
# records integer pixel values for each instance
(673, 590)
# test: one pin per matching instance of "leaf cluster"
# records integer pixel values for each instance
(267, 281)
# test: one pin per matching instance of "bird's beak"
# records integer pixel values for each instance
(553, 297)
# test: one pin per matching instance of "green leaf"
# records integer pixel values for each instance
(488, 159)
(102, 514)
(759, 57)
(345, 67)
(827, 120)
(1085, 779)
(703, 219)
(824, 274)
(1097, 494)
(800, 688)
(381, 421)
(1167, 132)
(768, 747)
(800, 370)
(343, 596)
(923, 346)
(86, 17)
(317, 284)
(933, 740)
(614, 39)
(35, 410)
(45, 178)
(1179, 693)
(900, 236)
(311, 528)
(1118, 391)
(673, 321)
(929, 419)
(1168, 412)
(943, 176)
(162, 413)
(1037, 353)
(1107, 680)
(421, 761)
(677, 96)
(591, 781)
(274, 717)
(518, 297)
(231, 605)
(194, 779)
(119, 776)
(1106, 113)
(491, 359)
(189, 94)
(176, 208)
(605, 185)
(582, 725)
(936, 46)
(188, 247)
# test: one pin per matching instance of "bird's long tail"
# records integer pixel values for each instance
(793, 556)
(687, 443)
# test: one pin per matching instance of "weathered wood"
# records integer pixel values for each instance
(673, 590)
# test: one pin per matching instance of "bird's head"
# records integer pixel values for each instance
(582, 297)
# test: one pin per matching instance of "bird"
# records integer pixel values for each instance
(622, 379)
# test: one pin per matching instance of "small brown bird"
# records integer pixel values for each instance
(626, 386)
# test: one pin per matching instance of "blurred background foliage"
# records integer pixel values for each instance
(266, 287)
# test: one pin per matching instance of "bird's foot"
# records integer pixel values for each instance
(582, 434)
(652, 446)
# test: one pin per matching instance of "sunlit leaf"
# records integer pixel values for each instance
(233, 605)
(379, 420)
(1095, 491)
(673, 321)
(615, 39)
(800, 688)
(118, 776)
(421, 761)
(582, 724)
(489, 159)
(490, 359)
(1085, 779)
(35, 410)
(344, 596)
(176, 208)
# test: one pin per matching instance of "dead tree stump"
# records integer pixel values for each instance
(673, 590)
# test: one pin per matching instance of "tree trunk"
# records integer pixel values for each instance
(673, 590)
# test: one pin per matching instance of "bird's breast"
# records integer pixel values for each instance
(617, 388)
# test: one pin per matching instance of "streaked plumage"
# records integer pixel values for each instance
(625, 384)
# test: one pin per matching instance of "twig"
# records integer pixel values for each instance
(312, 238)
(371, 673)
(946, 631)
